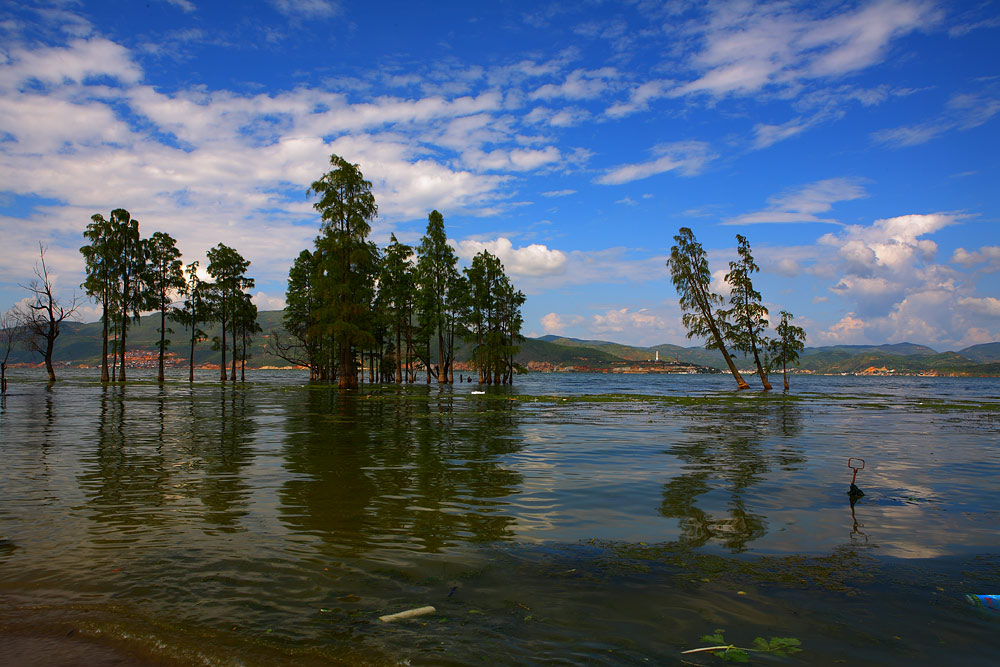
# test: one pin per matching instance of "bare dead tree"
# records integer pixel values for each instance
(41, 317)
(10, 335)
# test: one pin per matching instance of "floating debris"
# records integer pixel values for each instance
(409, 613)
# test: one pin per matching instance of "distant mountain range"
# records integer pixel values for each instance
(81, 344)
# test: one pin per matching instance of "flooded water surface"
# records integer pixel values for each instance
(568, 519)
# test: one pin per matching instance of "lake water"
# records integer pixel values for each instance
(595, 519)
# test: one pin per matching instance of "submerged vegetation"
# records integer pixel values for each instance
(356, 310)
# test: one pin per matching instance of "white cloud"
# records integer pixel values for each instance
(963, 112)
(889, 274)
(988, 255)
(533, 260)
(639, 98)
(559, 193)
(989, 306)
(805, 203)
(624, 319)
(767, 135)
(580, 84)
(746, 48)
(267, 302)
(554, 323)
(309, 9)
(686, 157)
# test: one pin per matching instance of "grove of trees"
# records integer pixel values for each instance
(353, 308)
(743, 324)
(128, 275)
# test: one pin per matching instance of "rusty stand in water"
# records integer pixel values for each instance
(855, 464)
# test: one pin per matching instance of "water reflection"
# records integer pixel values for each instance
(723, 458)
(408, 473)
(226, 454)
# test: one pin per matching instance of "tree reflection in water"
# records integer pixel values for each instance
(409, 471)
(729, 451)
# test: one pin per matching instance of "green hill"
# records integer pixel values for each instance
(985, 353)
(81, 344)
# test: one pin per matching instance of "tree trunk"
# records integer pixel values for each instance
(442, 368)
(104, 350)
(347, 375)
(760, 370)
(399, 356)
(706, 311)
(163, 339)
(428, 362)
(194, 328)
(50, 343)
(121, 369)
(232, 374)
(784, 371)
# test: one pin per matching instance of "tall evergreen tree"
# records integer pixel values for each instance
(493, 319)
(129, 269)
(100, 258)
(349, 262)
(194, 311)
(228, 268)
(436, 272)
(164, 276)
(397, 285)
(747, 316)
(689, 273)
(784, 349)
(302, 342)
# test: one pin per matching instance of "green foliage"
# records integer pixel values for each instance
(439, 291)
(494, 318)
(689, 272)
(780, 646)
(347, 264)
(746, 318)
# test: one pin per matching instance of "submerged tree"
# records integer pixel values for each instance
(164, 275)
(437, 276)
(301, 343)
(348, 262)
(692, 279)
(245, 327)
(41, 318)
(10, 335)
(784, 349)
(493, 318)
(396, 286)
(194, 311)
(228, 268)
(101, 258)
(130, 266)
(747, 316)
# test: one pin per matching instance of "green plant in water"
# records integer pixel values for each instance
(783, 646)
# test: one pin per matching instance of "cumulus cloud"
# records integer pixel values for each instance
(624, 319)
(686, 157)
(988, 255)
(889, 273)
(554, 323)
(533, 260)
(804, 204)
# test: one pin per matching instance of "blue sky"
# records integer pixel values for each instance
(854, 144)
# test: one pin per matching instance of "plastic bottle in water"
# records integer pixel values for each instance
(987, 602)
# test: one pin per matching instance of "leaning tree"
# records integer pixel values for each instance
(692, 279)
